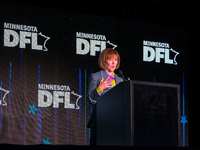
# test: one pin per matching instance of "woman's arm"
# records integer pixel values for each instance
(92, 89)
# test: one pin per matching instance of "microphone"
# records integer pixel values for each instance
(121, 74)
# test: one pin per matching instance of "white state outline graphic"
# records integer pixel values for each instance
(4, 104)
(176, 53)
(114, 46)
(79, 96)
(44, 44)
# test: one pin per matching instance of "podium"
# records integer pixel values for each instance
(139, 113)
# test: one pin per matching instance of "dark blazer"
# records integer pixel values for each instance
(92, 95)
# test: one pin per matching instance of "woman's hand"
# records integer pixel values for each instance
(104, 84)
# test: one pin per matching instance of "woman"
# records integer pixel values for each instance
(101, 82)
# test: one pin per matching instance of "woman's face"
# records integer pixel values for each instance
(111, 64)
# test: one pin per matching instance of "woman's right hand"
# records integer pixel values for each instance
(104, 84)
